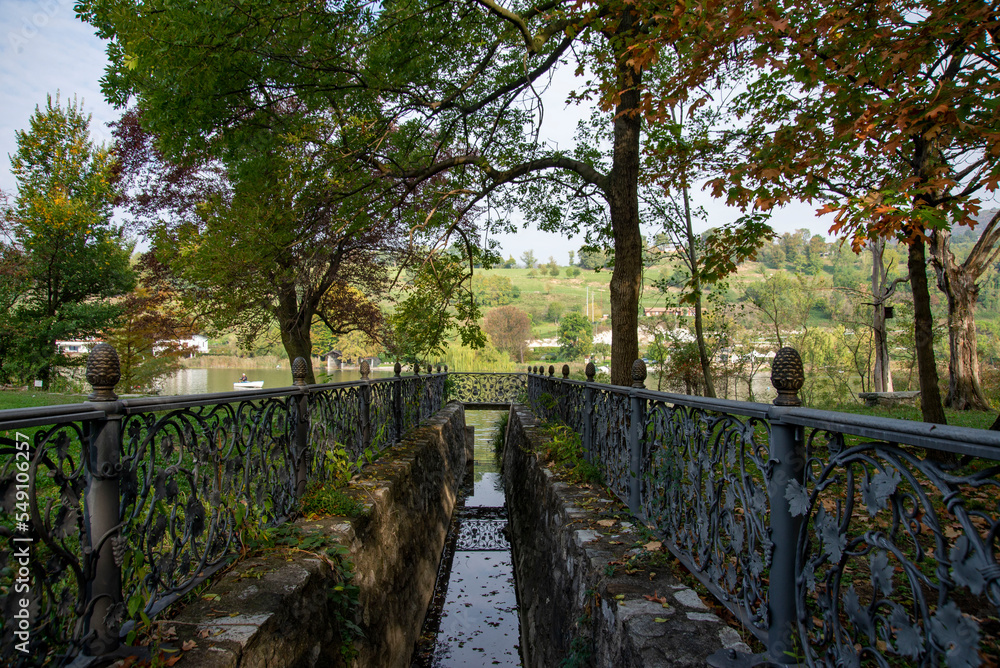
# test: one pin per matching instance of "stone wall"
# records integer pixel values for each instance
(273, 610)
(577, 602)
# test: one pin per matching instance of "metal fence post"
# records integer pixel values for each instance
(105, 609)
(300, 456)
(588, 413)
(366, 405)
(397, 399)
(788, 456)
(635, 432)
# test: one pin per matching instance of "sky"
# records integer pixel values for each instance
(44, 50)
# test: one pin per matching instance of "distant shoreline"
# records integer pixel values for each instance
(234, 362)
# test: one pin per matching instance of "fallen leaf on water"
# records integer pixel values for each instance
(659, 620)
(188, 645)
(606, 523)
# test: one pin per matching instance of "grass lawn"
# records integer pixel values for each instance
(32, 398)
(973, 419)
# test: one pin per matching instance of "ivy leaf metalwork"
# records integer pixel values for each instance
(195, 517)
(828, 531)
(881, 572)
(908, 640)
(852, 606)
(957, 634)
(876, 492)
(965, 567)
(798, 498)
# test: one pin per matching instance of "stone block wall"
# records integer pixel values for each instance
(578, 606)
(272, 611)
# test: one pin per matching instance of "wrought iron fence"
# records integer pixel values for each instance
(116, 508)
(486, 388)
(836, 539)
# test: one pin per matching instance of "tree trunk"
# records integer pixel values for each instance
(294, 322)
(959, 286)
(623, 202)
(881, 373)
(699, 331)
(923, 330)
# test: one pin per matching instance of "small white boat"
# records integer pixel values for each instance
(248, 385)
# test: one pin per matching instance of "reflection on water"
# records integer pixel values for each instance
(200, 381)
(473, 620)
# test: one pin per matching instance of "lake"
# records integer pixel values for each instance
(201, 381)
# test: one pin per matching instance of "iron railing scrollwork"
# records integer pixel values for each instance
(128, 504)
(836, 539)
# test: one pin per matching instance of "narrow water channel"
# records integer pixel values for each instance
(473, 620)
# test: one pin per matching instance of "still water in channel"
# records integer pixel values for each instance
(473, 619)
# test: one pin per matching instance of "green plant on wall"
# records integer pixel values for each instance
(565, 448)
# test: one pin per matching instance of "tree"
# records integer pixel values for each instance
(433, 87)
(152, 325)
(683, 150)
(555, 311)
(576, 335)
(887, 114)
(493, 290)
(784, 300)
(73, 258)
(421, 323)
(572, 257)
(264, 239)
(959, 282)
(529, 260)
(509, 329)
(592, 259)
(881, 290)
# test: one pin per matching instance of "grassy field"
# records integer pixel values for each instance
(31, 398)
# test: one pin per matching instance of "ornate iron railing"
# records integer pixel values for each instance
(116, 508)
(487, 388)
(837, 539)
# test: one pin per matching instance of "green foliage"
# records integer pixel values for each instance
(500, 439)
(494, 290)
(486, 358)
(592, 258)
(564, 448)
(63, 258)
(327, 499)
(343, 603)
(575, 336)
(148, 334)
(438, 302)
(555, 311)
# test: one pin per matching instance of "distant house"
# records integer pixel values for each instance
(680, 311)
(76, 348)
(195, 344)
(334, 360)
